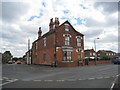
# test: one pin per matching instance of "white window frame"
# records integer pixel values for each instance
(66, 27)
(90, 54)
(44, 42)
(78, 40)
(67, 40)
(36, 46)
(68, 56)
(93, 54)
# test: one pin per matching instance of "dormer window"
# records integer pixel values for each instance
(66, 27)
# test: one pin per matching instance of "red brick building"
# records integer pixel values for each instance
(62, 45)
(89, 53)
(110, 54)
(6, 56)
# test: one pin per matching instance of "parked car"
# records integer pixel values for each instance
(10, 62)
(13, 61)
(116, 61)
(18, 62)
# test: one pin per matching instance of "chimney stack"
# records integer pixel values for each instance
(39, 33)
(51, 24)
(56, 22)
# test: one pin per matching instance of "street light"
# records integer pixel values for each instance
(95, 50)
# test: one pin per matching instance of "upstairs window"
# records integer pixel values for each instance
(90, 54)
(78, 41)
(66, 27)
(94, 54)
(109, 54)
(36, 46)
(67, 40)
(44, 42)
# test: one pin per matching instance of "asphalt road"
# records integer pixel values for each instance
(31, 76)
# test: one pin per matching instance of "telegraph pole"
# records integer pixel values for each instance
(28, 54)
(95, 51)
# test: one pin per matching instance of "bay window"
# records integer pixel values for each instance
(67, 56)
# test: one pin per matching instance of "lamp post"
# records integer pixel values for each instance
(95, 50)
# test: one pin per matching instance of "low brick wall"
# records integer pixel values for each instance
(75, 64)
(91, 63)
(67, 64)
(100, 62)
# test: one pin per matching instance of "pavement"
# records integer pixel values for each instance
(35, 76)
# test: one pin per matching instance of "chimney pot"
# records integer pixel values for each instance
(39, 32)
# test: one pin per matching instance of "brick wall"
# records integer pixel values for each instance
(100, 62)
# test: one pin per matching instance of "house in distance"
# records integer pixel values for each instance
(62, 45)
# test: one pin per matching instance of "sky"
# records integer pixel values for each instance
(20, 20)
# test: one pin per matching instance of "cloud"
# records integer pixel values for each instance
(12, 11)
(107, 7)
(21, 20)
(108, 21)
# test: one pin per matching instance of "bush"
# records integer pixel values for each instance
(105, 58)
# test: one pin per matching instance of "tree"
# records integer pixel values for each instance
(105, 58)
(15, 58)
(20, 58)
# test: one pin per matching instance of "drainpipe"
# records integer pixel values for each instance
(55, 61)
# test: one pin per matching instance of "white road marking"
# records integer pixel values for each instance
(48, 80)
(71, 80)
(113, 76)
(117, 75)
(106, 77)
(5, 78)
(112, 86)
(37, 80)
(91, 78)
(60, 80)
(81, 79)
(25, 80)
(8, 82)
(114, 82)
(99, 77)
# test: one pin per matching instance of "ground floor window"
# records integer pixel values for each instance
(67, 56)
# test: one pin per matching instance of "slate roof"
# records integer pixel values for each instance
(53, 31)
